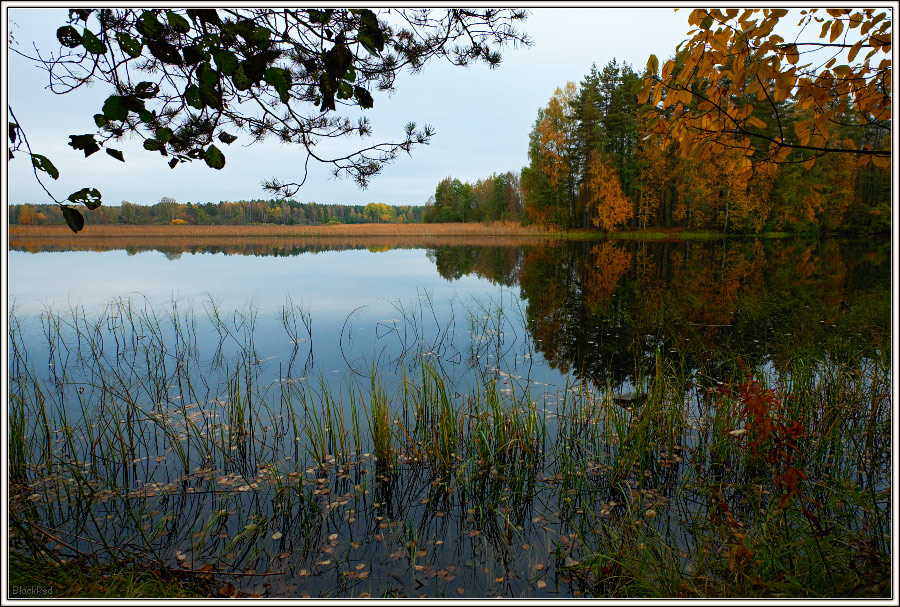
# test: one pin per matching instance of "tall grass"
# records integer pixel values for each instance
(135, 444)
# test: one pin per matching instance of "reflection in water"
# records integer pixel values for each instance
(603, 310)
(482, 478)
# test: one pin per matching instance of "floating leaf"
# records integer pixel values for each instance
(73, 218)
(541, 584)
(277, 535)
(42, 163)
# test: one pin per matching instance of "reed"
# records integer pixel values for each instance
(135, 443)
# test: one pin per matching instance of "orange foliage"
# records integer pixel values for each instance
(607, 263)
(611, 208)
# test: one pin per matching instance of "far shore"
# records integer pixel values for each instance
(501, 229)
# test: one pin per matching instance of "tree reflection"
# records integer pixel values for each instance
(606, 310)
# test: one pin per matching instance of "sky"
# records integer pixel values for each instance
(482, 117)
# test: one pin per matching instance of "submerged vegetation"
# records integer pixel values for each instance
(167, 439)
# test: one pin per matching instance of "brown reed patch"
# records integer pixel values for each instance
(263, 239)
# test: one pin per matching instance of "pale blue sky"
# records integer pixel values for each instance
(482, 117)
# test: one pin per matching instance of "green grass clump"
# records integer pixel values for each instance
(43, 579)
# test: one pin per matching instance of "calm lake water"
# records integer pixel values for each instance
(585, 310)
(543, 320)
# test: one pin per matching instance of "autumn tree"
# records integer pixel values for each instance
(186, 80)
(610, 208)
(706, 98)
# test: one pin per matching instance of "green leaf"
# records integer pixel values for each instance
(129, 45)
(653, 64)
(204, 15)
(68, 36)
(255, 66)
(114, 108)
(100, 120)
(165, 52)
(148, 26)
(260, 37)
(116, 154)
(345, 91)
(164, 134)
(192, 96)
(42, 163)
(707, 23)
(73, 218)
(280, 81)
(151, 145)
(87, 143)
(227, 138)
(146, 90)
(337, 60)
(178, 23)
(92, 43)
(240, 80)
(322, 17)
(194, 54)
(207, 75)
(210, 95)
(364, 97)
(370, 34)
(146, 115)
(214, 157)
(89, 197)
(226, 62)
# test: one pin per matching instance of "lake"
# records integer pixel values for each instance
(546, 419)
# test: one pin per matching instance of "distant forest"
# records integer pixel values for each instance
(596, 162)
(242, 212)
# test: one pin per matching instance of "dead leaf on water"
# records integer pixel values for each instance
(277, 535)
(461, 590)
(541, 584)
(539, 566)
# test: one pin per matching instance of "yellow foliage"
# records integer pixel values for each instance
(611, 208)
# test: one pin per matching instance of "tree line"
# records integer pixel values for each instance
(242, 212)
(495, 198)
(733, 134)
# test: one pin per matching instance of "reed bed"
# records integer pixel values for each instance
(131, 443)
(498, 228)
